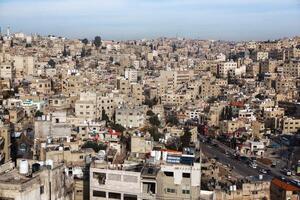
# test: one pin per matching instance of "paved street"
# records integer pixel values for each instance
(240, 168)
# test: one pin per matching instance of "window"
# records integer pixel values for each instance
(170, 190)
(81, 157)
(169, 174)
(186, 175)
(100, 176)
(42, 189)
(114, 195)
(130, 197)
(185, 191)
(99, 193)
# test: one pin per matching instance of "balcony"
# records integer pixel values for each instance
(1, 142)
(2, 155)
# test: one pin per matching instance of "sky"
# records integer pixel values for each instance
(138, 19)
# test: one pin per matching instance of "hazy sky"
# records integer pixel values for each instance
(136, 19)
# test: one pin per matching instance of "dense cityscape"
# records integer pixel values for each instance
(165, 118)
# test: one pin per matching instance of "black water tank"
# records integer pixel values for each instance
(36, 167)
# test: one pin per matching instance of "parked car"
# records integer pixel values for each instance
(253, 165)
(263, 171)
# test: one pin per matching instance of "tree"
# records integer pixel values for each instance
(65, 52)
(94, 145)
(186, 137)
(97, 41)
(172, 119)
(117, 127)
(38, 113)
(150, 102)
(150, 113)
(104, 116)
(155, 133)
(51, 62)
(85, 41)
(154, 121)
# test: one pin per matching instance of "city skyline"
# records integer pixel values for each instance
(132, 19)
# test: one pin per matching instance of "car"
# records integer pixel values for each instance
(215, 145)
(286, 172)
(253, 165)
(263, 171)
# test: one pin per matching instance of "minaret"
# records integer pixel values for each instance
(8, 31)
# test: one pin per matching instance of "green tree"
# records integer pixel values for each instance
(51, 62)
(97, 41)
(65, 51)
(83, 52)
(150, 102)
(38, 113)
(117, 127)
(104, 116)
(154, 121)
(85, 41)
(186, 137)
(150, 113)
(155, 133)
(172, 119)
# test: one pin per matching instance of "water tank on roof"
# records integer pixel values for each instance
(49, 163)
(24, 167)
(36, 167)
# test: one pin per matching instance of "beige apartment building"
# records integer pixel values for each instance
(85, 110)
(6, 71)
(251, 188)
(41, 86)
(292, 68)
(71, 85)
(209, 89)
(268, 66)
(141, 144)
(35, 180)
(130, 117)
(24, 65)
(230, 126)
(178, 182)
(290, 125)
(5, 143)
(284, 85)
(109, 182)
(262, 55)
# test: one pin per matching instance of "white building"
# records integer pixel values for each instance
(225, 67)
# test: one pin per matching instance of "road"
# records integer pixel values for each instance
(240, 168)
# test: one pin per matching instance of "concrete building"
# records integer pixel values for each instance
(130, 117)
(290, 125)
(280, 190)
(179, 182)
(35, 180)
(108, 182)
(5, 143)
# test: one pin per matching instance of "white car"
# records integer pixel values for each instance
(253, 165)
